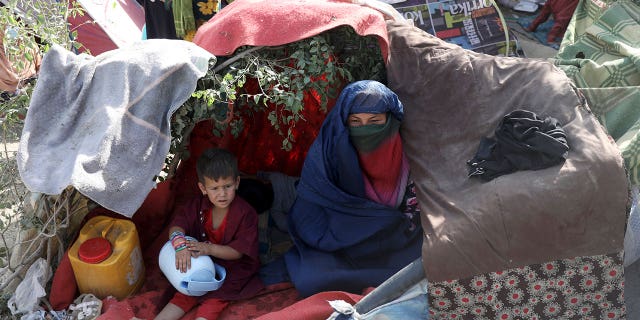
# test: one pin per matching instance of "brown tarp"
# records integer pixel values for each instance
(454, 97)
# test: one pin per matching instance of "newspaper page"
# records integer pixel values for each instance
(471, 24)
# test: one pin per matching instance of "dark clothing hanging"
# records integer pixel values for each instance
(159, 20)
(523, 141)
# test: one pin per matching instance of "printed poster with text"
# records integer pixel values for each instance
(471, 24)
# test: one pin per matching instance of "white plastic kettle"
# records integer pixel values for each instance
(202, 277)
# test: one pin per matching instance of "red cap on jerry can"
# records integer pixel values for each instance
(94, 250)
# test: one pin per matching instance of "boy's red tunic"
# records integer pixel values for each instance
(241, 233)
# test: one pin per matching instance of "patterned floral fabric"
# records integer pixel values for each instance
(578, 288)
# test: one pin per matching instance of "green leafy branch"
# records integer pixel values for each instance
(275, 80)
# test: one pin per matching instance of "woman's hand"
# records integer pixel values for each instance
(183, 260)
(198, 248)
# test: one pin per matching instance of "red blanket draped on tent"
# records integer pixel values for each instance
(274, 23)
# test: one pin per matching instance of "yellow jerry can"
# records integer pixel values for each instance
(107, 259)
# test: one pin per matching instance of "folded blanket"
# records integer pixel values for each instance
(102, 124)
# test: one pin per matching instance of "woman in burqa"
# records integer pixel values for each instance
(355, 221)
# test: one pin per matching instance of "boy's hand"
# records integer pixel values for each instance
(198, 248)
(183, 260)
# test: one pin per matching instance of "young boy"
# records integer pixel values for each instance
(227, 229)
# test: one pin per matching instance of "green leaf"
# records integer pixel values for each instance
(273, 118)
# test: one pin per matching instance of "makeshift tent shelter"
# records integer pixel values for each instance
(474, 230)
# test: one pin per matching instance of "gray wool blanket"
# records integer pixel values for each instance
(102, 124)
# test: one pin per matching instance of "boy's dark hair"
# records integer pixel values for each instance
(217, 163)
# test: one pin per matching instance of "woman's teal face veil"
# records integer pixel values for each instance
(369, 137)
(368, 96)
